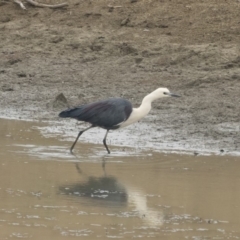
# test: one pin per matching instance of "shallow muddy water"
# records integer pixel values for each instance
(46, 193)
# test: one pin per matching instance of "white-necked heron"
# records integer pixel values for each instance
(113, 113)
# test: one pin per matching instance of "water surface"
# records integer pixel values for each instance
(46, 193)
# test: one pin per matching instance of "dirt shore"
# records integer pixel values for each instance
(92, 50)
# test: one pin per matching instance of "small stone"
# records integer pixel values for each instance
(7, 88)
(81, 95)
(125, 21)
(138, 60)
(21, 74)
(196, 153)
(56, 39)
(59, 102)
(14, 60)
(5, 19)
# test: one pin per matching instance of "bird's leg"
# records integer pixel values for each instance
(104, 142)
(79, 134)
(103, 165)
(78, 168)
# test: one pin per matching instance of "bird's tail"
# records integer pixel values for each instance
(70, 113)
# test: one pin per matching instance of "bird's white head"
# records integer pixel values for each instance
(164, 92)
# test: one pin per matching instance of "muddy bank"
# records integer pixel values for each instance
(92, 51)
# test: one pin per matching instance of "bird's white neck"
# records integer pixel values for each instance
(142, 110)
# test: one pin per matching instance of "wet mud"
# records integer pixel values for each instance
(46, 192)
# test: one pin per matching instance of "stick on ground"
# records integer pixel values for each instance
(20, 4)
(36, 4)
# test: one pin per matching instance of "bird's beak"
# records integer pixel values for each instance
(173, 95)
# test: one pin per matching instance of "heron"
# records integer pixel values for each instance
(113, 113)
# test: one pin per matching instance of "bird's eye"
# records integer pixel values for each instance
(165, 93)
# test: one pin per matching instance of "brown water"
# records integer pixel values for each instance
(45, 193)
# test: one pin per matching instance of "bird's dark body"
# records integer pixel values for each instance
(106, 114)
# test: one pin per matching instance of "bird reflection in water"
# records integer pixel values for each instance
(101, 190)
(107, 191)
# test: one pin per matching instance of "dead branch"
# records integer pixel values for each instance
(36, 4)
(20, 4)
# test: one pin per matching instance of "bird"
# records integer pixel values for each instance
(113, 113)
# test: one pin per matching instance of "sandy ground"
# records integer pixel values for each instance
(97, 49)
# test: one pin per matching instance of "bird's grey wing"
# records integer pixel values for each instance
(106, 114)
